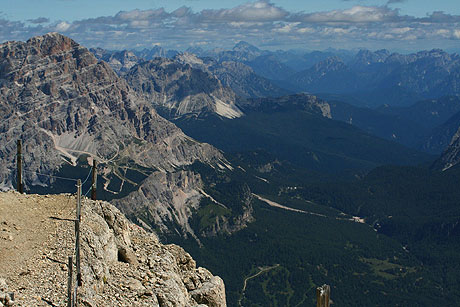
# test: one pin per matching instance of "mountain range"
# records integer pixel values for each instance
(69, 108)
(275, 191)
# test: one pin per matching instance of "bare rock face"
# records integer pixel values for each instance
(153, 274)
(121, 263)
(451, 156)
(120, 61)
(178, 89)
(66, 105)
(238, 76)
(166, 203)
(163, 198)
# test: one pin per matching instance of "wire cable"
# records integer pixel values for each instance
(89, 174)
(51, 176)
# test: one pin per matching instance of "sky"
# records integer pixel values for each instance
(398, 25)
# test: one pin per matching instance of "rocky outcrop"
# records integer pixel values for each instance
(121, 263)
(117, 252)
(177, 89)
(165, 201)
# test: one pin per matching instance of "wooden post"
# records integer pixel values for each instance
(94, 181)
(19, 170)
(77, 233)
(79, 199)
(69, 282)
(323, 295)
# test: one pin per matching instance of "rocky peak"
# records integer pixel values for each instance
(243, 46)
(178, 89)
(155, 52)
(365, 58)
(51, 43)
(188, 58)
(120, 61)
(19, 59)
(333, 63)
(69, 108)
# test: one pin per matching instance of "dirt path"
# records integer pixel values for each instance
(355, 219)
(262, 270)
(36, 237)
(274, 204)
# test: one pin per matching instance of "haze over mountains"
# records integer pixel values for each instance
(397, 96)
(222, 152)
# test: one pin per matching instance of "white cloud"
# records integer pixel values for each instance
(410, 37)
(305, 30)
(39, 20)
(257, 22)
(443, 33)
(253, 11)
(141, 15)
(401, 30)
(62, 26)
(287, 28)
(357, 14)
(456, 34)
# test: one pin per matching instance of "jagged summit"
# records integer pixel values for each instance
(178, 89)
(246, 47)
(45, 45)
(69, 108)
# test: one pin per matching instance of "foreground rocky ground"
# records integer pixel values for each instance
(122, 264)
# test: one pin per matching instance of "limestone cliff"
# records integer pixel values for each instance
(178, 89)
(64, 103)
(69, 108)
(121, 264)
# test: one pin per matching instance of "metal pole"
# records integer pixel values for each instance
(94, 181)
(19, 164)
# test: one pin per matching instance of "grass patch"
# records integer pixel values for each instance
(387, 269)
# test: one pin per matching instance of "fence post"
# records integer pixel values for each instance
(94, 181)
(77, 233)
(323, 295)
(69, 282)
(19, 166)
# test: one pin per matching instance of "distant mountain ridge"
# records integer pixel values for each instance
(427, 125)
(372, 78)
(179, 89)
(69, 108)
(379, 77)
(241, 78)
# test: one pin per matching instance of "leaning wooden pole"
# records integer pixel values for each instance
(94, 181)
(323, 295)
(19, 168)
(77, 233)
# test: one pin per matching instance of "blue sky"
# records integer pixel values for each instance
(401, 25)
